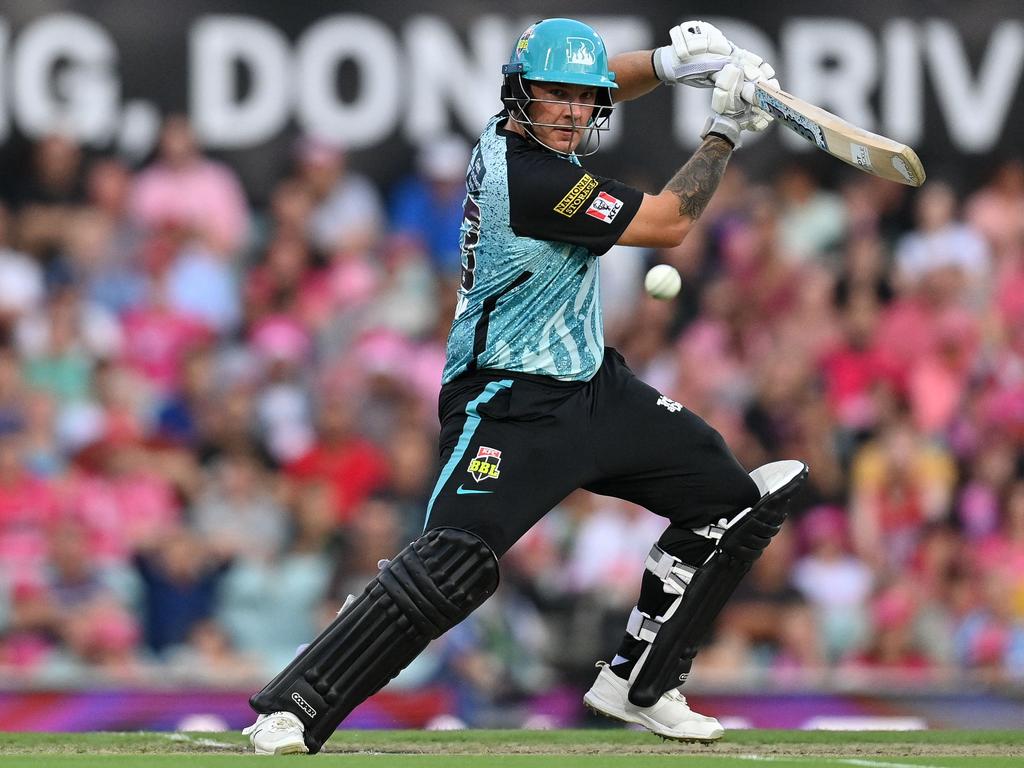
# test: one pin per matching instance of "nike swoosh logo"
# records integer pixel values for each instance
(461, 491)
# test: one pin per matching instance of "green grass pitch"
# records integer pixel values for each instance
(604, 748)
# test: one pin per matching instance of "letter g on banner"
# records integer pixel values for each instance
(84, 98)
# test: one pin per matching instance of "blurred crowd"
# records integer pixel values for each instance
(216, 417)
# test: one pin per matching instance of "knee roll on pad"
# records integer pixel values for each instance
(674, 637)
(428, 588)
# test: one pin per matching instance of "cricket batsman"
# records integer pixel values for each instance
(528, 382)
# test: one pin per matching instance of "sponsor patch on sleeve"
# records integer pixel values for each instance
(604, 207)
(577, 196)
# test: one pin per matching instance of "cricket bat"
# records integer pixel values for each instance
(862, 149)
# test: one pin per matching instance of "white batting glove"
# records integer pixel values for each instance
(727, 97)
(697, 51)
(728, 100)
(754, 70)
(734, 87)
(754, 119)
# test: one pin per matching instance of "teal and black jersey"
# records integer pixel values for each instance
(535, 223)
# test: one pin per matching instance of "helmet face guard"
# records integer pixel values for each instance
(517, 96)
(559, 51)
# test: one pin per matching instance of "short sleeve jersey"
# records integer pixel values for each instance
(534, 225)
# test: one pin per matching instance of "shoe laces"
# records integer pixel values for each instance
(675, 695)
(280, 724)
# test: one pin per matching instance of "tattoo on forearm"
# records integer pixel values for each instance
(696, 182)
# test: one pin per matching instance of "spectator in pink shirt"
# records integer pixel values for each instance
(1002, 551)
(938, 381)
(188, 191)
(997, 210)
(28, 507)
(120, 498)
(158, 336)
(852, 368)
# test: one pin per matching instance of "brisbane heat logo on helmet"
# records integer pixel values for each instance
(485, 465)
(579, 50)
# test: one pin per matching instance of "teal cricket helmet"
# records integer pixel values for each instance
(561, 51)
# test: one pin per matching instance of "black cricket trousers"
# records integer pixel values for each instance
(514, 445)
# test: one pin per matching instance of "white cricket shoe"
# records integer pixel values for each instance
(669, 717)
(279, 733)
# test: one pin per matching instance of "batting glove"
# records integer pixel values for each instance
(728, 100)
(753, 70)
(697, 51)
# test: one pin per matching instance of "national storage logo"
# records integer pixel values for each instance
(577, 196)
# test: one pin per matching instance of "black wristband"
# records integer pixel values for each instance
(724, 127)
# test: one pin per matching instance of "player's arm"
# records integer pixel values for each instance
(665, 219)
(634, 74)
(695, 55)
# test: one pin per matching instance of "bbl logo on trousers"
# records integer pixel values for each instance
(485, 465)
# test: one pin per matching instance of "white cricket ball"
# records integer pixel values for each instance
(663, 282)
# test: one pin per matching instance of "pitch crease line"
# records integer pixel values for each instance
(200, 742)
(878, 764)
(860, 762)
